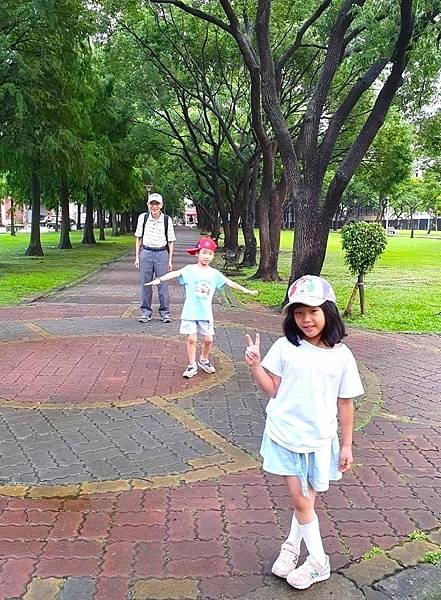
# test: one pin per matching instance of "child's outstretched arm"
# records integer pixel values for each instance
(346, 418)
(268, 382)
(166, 277)
(236, 286)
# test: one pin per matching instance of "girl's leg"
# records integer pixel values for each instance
(191, 348)
(307, 519)
(316, 567)
(206, 347)
(204, 363)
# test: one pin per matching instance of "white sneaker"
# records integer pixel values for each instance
(206, 366)
(308, 573)
(190, 371)
(286, 561)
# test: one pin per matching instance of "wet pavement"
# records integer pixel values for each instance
(121, 480)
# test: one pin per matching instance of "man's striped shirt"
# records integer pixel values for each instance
(154, 233)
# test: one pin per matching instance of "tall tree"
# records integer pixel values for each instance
(350, 47)
(38, 44)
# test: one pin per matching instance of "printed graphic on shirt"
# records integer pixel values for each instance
(203, 289)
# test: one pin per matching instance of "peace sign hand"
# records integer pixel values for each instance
(252, 353)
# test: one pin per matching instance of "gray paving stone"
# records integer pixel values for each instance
(78, 588)
(10, 332)
(335, 588)
(422, 582)
(101, 469)
(371, 594)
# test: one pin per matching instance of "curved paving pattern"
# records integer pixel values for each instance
(140, 485)
(93, 371)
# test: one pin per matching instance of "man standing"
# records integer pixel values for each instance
(153, 256)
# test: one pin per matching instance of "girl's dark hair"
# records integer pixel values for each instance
(333, 331)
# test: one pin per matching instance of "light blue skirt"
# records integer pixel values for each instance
(316, 468)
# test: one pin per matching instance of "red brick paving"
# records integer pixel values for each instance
(92, 369)
(226, 532)
(59, 311)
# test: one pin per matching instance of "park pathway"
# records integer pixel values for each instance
(121, 480)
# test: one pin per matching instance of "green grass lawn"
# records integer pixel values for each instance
(26, 276)
(403, 292)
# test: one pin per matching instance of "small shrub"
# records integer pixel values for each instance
(362, 243)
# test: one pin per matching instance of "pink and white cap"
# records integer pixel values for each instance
(310, 290)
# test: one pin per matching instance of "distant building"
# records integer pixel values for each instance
(20, 213)
(190, 213)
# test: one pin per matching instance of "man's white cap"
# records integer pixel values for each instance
(155, 198)
(310, 290)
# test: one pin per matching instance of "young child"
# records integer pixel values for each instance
(310, 376)
(200, 282)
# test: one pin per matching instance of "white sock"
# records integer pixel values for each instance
(313, 540)
(295, 535)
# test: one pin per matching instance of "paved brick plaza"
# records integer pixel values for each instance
(121, 480)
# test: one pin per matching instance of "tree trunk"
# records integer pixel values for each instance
(360, 285)
(249, 215)
(79, 227)
(133, 221)
(100, 213)
(348, 309)
(88, 234)
(12, 215)
(311, 236)
(34, 248)
(265, 270)
(65, 219)
(125, 227)
(411, 226)
(115, 224)
(275, 226)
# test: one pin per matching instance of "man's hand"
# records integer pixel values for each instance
(252, 352)
(137, 262)
(346, 458)
(170, 266)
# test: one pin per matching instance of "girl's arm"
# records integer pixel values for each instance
(268, 382)
(346, 418)
(240, 288)
(166, 277)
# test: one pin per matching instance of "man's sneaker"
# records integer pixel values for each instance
(190, 371)
(286, 561)
(206, 366)
(144, 319)
(166, 319)
(308, 573)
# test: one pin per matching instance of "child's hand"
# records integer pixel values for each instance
(253, 292)
(346, 458)
(252, 353)
(153, 282)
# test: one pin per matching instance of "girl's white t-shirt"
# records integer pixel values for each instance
(302, 417)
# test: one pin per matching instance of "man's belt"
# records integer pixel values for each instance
(154, 249)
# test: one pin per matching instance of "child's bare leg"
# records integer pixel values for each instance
(191, 348)
(206, 346)
(307, 518)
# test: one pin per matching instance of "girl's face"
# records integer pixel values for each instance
(311, 321)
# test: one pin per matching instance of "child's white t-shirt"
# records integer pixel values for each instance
(302, 417)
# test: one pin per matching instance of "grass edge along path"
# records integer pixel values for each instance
(23, 276)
